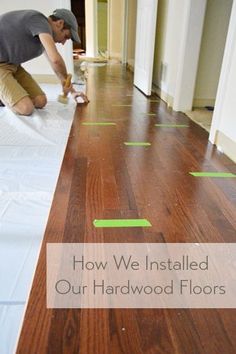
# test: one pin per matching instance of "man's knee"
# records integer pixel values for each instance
(24, 107)
(40, 101)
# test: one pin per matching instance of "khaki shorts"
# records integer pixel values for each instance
(16, 83)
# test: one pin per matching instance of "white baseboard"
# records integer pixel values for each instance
(227, 145)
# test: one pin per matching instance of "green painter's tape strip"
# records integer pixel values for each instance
(137, 144)
(151, 114)
(212, 174)
(98, 123)
(172, 125)
(122, 223)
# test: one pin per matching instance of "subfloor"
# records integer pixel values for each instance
(103, 177)
(201, 116)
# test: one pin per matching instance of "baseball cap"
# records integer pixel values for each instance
(70, 20)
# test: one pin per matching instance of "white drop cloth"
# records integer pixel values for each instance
(31, 153)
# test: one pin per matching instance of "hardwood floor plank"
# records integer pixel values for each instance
(101, 178)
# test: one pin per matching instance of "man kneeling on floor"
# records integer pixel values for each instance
(25, 35)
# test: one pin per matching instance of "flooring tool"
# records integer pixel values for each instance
(63, 97)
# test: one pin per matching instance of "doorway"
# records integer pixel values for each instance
(78, 9)
(214, 36)
(102, 27)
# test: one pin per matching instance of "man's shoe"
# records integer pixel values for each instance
(2, 104)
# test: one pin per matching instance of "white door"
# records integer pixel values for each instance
(145, 44)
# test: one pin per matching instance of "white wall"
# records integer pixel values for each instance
(193, 13)
(169, 35)
(212, 49)
(91, 28)
(165, 47)
(132, 15)
(116, 21)
(179, 29)
(40, 65)
(159, 75)
(102, 25)
(171, 57)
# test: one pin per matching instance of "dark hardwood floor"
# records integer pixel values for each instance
(101, 178)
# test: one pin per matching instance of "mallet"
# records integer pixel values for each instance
(63, 97)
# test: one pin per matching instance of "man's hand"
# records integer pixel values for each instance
(78, 95)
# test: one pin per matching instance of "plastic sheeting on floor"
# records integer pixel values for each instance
(31, 153)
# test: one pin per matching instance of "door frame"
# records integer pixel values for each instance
(91, 30)
(124, 44)
(125, 31)
(224, 75)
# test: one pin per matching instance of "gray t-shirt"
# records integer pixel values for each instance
(19, 32)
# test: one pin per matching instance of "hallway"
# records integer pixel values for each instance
(134, 164)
